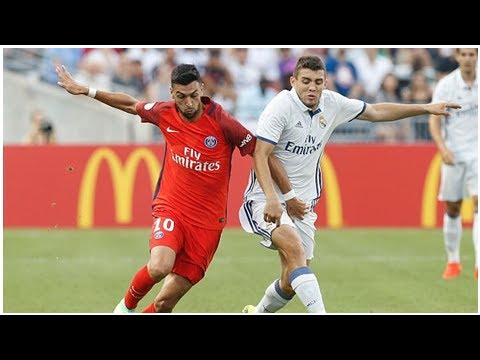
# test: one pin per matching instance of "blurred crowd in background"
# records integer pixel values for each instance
(243, 80)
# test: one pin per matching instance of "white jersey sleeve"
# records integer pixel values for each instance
(274, 118)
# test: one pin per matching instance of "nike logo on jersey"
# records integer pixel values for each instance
(170, 130)
(149, 106)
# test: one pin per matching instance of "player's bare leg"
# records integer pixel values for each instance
(160, 265)
(173, 289)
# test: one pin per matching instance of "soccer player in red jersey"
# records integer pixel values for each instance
(190, 200)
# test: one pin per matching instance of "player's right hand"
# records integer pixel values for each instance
(273, 211)
(447, 157)
(67, 82)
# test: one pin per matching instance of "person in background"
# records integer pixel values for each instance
(456, 137)
(41, 130)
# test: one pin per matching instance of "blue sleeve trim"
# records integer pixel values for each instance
(266, 140)
(361, 112)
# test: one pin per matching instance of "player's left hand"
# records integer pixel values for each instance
(441, 108)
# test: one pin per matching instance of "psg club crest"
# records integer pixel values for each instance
(322, 121)
(210, 141)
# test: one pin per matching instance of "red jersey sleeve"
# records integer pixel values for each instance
(235, 133)
(152, 112)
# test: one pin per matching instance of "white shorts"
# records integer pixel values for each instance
(251, 218)
(459, 181)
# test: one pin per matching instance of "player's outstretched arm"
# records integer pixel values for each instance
(117, 100)
(394, 111)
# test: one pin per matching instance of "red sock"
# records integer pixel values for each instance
(149, 309)
(139, 287)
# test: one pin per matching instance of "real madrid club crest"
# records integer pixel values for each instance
(322, 121)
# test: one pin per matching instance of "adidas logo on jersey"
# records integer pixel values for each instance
(299, 124)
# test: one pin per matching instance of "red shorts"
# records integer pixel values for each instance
(194, 247)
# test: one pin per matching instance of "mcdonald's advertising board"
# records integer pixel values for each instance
(111, 186)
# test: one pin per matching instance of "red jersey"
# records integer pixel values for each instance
(194, 179)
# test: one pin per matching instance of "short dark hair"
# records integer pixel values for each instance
(184, 74)
(309, 62)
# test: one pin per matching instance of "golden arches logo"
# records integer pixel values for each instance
(123, 180)
(429, 198)
(333, 199)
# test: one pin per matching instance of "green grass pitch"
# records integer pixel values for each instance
(359, 271)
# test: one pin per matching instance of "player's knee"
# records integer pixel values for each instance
(453, 209)
(164, 305)
(157, 270)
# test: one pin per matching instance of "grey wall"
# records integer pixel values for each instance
(77, 119)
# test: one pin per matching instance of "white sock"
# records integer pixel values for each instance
(475, 236)
(273, 300)
(305, 284)
(452, 233)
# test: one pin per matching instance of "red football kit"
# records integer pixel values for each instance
(190, 200)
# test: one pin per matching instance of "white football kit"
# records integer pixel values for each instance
(299, 135)
(460, 131)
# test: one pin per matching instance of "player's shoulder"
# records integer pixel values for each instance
(449, 79)
(329, 95)
(158, 106)
(332, 99)
(280, 101)
(211, 107)
(282, 97)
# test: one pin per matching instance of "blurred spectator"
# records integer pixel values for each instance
(243, 73)
(128, 76)
(251, 102)
(150, 58)
(372, 68)
(394, 131)
(218, 81)
(199, 57)
(53, 57)
(158, 89)
(403, 67)
(418, 92)
(41, 131)
(97, 67)
(444, 61)
(263, 60)
(422, 61)
(342, 73)
(25, 61)
(286, 66)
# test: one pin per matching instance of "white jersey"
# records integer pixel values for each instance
(460, 129)
(300, 136)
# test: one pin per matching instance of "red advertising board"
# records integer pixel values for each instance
(112, 186)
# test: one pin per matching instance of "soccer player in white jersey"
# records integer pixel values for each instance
(296, 126)
(456, 137)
